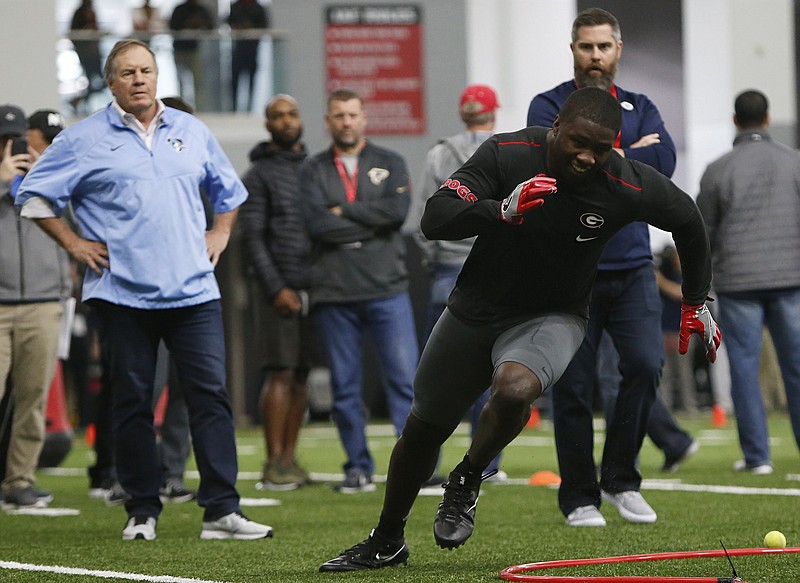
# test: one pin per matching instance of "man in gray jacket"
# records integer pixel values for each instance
(750, 200)
(34, 279)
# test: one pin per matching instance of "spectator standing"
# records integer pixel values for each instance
(191, 17)
(520, 309)
(34, 282)
(750, 200)
(444, 259)
(355, 198)
(278, 251)
(151, 276)
(245, 16)
(625, 302)
(147, 18)
(84, 19)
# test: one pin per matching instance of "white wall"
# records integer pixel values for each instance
(519, 47)
(28, 65)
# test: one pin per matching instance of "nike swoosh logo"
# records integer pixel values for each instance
(115, 148)
(581, 239)
(381, 557)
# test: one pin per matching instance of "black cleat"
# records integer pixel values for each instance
(372, 553)
(455, 518)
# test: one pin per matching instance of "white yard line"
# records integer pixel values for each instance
(100, 574)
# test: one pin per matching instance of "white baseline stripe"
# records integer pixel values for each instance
(663, 485)
(101, 574)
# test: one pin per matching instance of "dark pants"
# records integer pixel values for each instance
(194, 337)
(626, 304)
(661, 425)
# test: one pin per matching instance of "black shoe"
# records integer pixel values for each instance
(372, 553)
(455, 518)
(117, 495)
(174, 491)
(672, 465)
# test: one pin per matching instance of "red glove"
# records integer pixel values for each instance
(526, 196)
(698, 320)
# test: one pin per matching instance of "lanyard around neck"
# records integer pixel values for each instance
(350, 183)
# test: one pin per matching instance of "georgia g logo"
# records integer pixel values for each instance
(592, 220)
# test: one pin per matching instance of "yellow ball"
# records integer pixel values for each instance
(775, 540)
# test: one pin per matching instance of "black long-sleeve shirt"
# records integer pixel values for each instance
(548, 263)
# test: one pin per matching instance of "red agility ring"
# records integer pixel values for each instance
(513, 573)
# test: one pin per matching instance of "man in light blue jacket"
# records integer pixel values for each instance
(133, 173)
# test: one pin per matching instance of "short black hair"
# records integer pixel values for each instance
(751, 108)
(596, 105)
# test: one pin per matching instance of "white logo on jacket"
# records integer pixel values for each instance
(177, 144)
(377, 175)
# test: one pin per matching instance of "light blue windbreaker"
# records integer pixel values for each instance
(145, 206)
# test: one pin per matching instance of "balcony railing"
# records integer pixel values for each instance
(195, 65)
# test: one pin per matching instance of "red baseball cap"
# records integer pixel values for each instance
(482, 94)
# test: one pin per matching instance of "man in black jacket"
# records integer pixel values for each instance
(355, 199)
(543, 204)
(279, 256)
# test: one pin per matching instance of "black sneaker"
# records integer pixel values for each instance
(372, 553)
(117, 495)
(455, 518)
(174, 491)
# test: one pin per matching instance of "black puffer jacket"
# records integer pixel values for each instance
(276, 245)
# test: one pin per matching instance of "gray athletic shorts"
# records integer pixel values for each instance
(459, 359)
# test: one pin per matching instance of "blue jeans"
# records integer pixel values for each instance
(662, 428)
(195, 339)
(627, 305)
(442, 283)
(742, 318)
(341, 326)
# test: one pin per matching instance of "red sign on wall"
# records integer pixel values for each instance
(376, 50)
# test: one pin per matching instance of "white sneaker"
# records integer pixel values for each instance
(236, 526)
(585, 516)
(499, 478)
(632, 506)
(140, 528)
(758, 470)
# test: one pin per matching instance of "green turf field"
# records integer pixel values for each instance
(515, 524)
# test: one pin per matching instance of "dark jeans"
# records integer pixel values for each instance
(194, 337)
(626, 304)
(662, 428)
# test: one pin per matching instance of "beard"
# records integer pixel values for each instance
(286, 141)
(605, 80)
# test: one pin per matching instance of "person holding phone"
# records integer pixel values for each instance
(34, 279)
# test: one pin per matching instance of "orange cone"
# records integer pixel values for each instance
(544, 478)
(718, 416)
(534, 421)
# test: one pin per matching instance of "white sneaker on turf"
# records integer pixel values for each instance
(499, 478)
(758, 470)
(632, 506)
(140, 528)
(234, 526)
(585, 516)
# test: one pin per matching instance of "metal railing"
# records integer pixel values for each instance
(202, 73)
